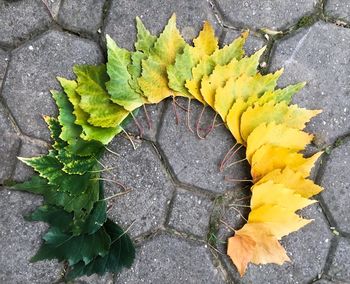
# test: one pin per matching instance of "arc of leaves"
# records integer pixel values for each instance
(94, 107)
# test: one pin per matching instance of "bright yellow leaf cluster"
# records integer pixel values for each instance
(259, 116)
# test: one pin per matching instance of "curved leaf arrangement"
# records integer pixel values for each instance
(94, 107)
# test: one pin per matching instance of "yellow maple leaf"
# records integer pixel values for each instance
(270, 193)
(293, 180)
(154, 79)
(280, 220)
(255, 243)
(269, 157)
(206, 65)
(292, 116)
(277, 135)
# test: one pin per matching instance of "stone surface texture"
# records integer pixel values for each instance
(265, 14)
(84, 17)
(178, 207)
(190, 213)
(336, 179)
(320, 56)
(21, 19)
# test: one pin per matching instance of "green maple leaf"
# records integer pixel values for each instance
(121, 254)
(55, 131)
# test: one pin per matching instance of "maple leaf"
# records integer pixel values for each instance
(119, 87)
(154, 79)
(255, 243)
(268, 158)
(178, 73)
(94, 97)
(277, 135)
(207, 64)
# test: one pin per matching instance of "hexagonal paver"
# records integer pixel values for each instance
(340, 263)
(320, 56)
(257, 14)
(307, 249)
(335, 180)
(19, 240)
(20, 19)
(9, 145)
(168, 259)
(195, 161)
(253, 44)
(84, 16)
(32, 72)
(190, 213)
(338, 9)
(144, 208)
(120, 22)
(28, 149)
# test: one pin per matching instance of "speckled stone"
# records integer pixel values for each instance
(21, 20)
(120, 23)
(338, 9)
(32, 72)
(320, 56)
(335, 180)
(277, 14)
(340, 263)
(190, 213)
(144, 208)
(168, 259)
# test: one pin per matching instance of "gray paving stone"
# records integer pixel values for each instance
(3, 64)
(257, 14)
(141, 171)
(340, 264)
(190, 213)
(20, 19)
(168, 259)
(93, 279)
(319, 56)
(325, 281)
(150, 132)
(32, 72)
(307, 249)
(9, 146)
(19, 240)
(335, 181)
(338, 9)
(120, 23)
(84, 16)
(195, 161)
(253, 44)
(23, 172)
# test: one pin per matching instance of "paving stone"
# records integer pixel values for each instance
(325, 281)
(340, 264)
(307, 249)
(339, 9)
(253, 44)
(319, 56)
(20, 19)
(32, 72)
(120, 23)
(9, 146)
(257, 14)
(53, 6)
(196, 161)
(19, 240)
(168, 259)
(141, 171)
(93, 279)
(3, 64)
(84, 16)
(335, 180)
(150, 132)
(190, 213)
(28, 149)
